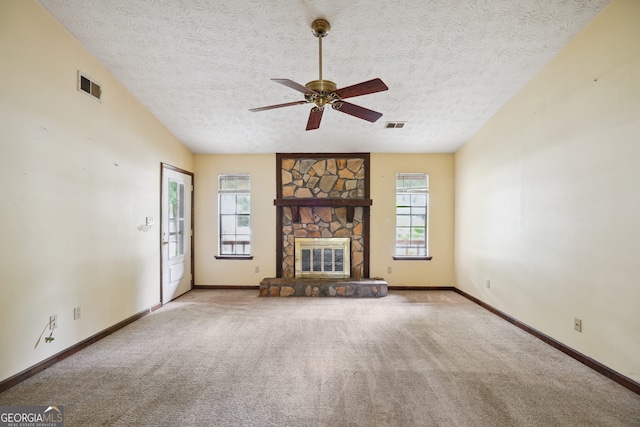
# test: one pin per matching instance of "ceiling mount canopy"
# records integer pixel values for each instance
(325, 92)
(320, 27)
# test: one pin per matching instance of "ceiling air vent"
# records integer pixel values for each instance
(88, 86)
(390, 125)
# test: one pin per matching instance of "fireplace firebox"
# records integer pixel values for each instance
(322, 257)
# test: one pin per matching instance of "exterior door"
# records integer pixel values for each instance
(177, 192)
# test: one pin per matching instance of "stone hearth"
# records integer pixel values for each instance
(363, 288)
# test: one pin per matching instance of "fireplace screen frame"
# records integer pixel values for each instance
(306, 252)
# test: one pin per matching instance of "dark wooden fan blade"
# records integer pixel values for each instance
(293, 85)
(364, 88)
(271, 107)
(357, 111)
(314, 118)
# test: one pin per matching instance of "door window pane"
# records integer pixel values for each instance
(176, 218)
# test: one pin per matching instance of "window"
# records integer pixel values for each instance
(412, 202)
(234, 208)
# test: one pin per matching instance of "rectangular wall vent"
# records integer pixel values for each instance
(393, 125)
(89, 86)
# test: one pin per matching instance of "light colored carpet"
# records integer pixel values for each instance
(413, 358)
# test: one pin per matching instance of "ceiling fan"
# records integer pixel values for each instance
(324, 92)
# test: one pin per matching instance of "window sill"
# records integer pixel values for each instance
(412, 258)
(236, 257)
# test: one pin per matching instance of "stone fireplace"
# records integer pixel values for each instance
(322, 198)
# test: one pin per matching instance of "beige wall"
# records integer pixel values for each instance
(223, 272)
(79, 177)
(548, 197)
(438, 271)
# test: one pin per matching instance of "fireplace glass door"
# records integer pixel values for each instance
(322, 257)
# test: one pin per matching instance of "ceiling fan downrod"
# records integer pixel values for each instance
(320, 28)
(324, 88)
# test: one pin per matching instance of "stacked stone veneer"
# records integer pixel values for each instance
(334, 178)
(363, 288)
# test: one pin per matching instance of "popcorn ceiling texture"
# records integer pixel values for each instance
(199, 65)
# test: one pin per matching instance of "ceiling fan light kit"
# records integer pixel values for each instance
(325, 92)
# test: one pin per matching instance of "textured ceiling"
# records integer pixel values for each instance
(199, 65)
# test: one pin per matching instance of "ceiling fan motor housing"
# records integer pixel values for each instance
(323, 92)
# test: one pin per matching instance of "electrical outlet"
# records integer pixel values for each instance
(257, 269)
(76, 313)
(53, 322)
(487, 283)
(150, 220)
(389, 270)
(577, 324)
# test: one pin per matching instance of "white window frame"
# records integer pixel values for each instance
(408, 213)
(234, 185)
